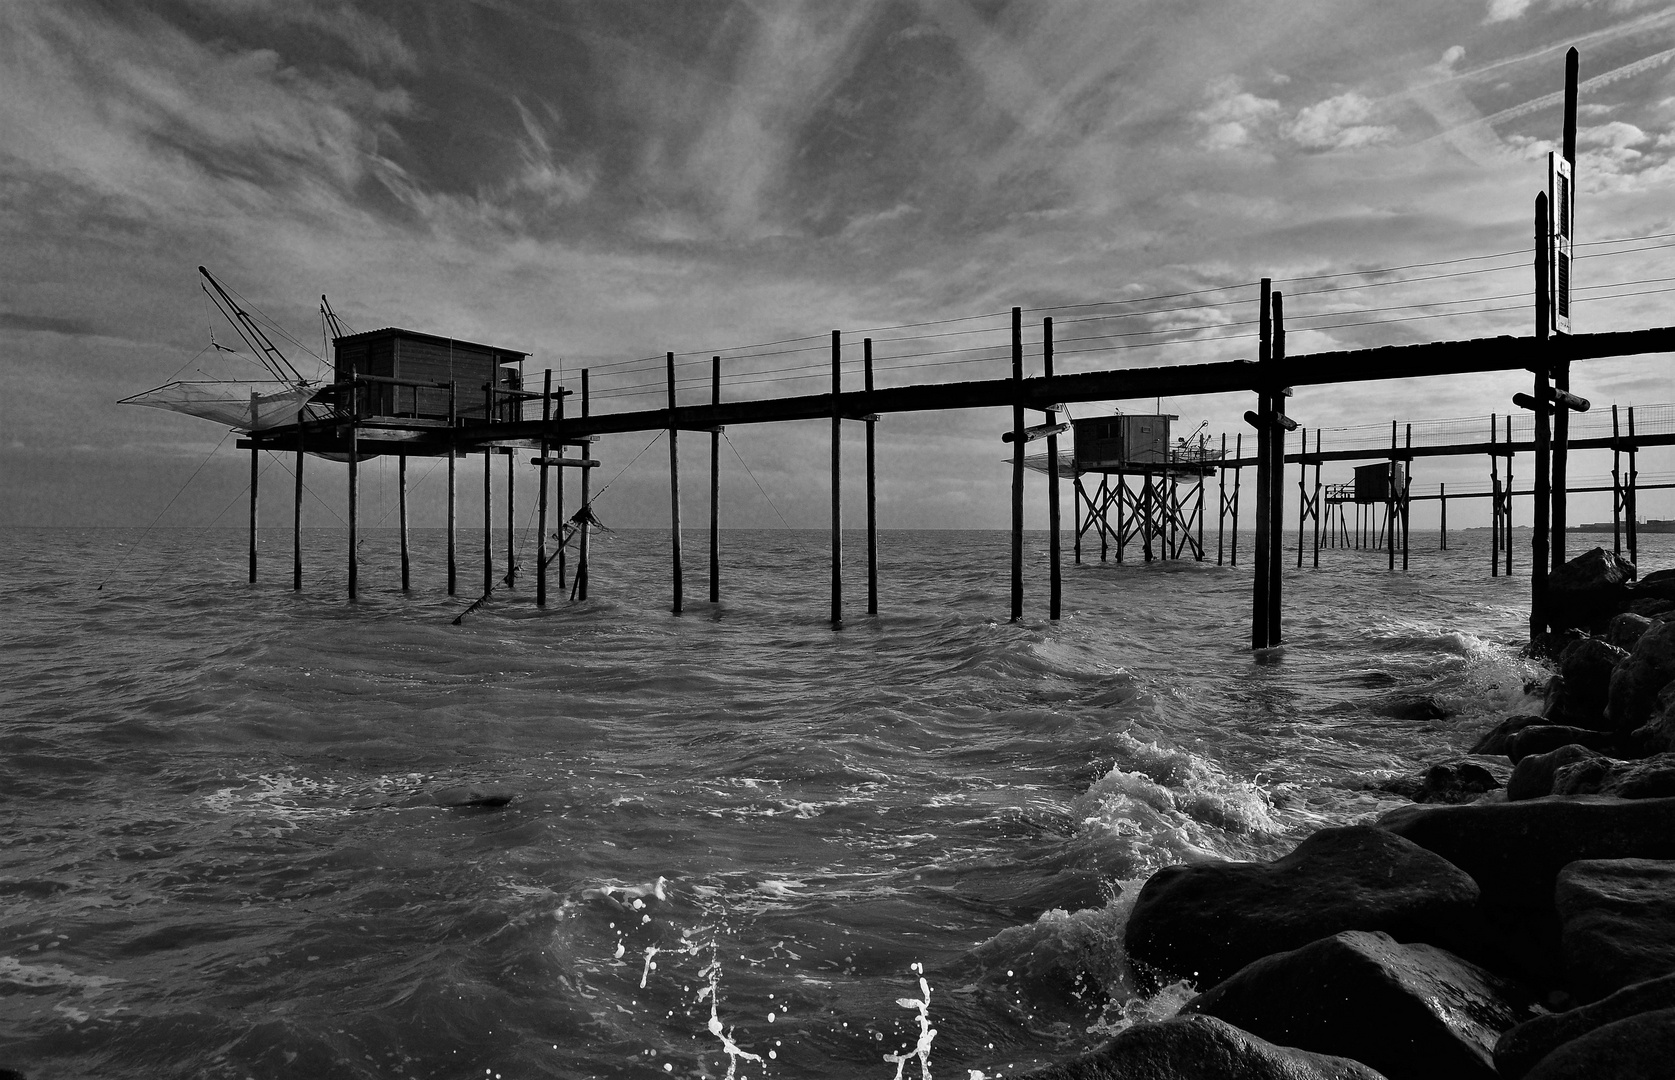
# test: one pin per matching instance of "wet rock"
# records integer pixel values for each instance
(1617, 919)
(1515, 850)
(1652, 607)
(1588, 589)
(1206, 921)
(1412, 707)
(1651, 778)
(1659, 584)
(1499, 737)
(1533, 776)
(1459, 781)
(1637, 1048)
(1625, 629)
(1194, 1047)
(1545, 738)
(1585, 665)
(461, 795)
(1658, 734)
(1649, 667)
(1413, 1012)
(1520, 1048)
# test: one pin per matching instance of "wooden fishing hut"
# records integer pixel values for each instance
(1153, 487)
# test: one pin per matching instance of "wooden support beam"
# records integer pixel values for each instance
(1018, 467)
(296, 516)
(558, 481)
(1238, 476)
(674, 490)
(541, 495)
(1264, 478)
(1543, 478)
(587, 497)
(511, 519)
(1276, 519)
(715, 486)
(255, 475)
(1054, 542)
(837, 478)
(872, 489)
(488, 497)
(453, 460)
(354, 489)
(401, 515)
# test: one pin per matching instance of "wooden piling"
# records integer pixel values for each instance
(488, 497)
(872, 490)
(1543, 451)
(1054, 553)
(1442, 499)
(1105, 501)
(586, 507)
(401, 515)
(1616, 486)
(1407, 489)
(1221, 503)
(354, 485)
(453, 460)
(1630, 510)
(1506, 525)
(255, 473)
(1276, 520)
(837, 480)
(511, 518)
(674, 487)
(296, 513)
(715, 486)
(1076, 517)
(1018, 466)
(558, 488)
(1238, 478)
(1391, 502)
(1264, 479)
(1317, 460)
(541, 494)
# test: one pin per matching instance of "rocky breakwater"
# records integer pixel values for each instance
(1527, 932)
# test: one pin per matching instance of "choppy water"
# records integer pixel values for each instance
(740, 837)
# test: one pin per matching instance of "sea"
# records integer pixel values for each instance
(740, 842)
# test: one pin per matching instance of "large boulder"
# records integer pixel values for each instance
(1625, 629)
(1520, 1048)
(1413, 1012)
(1658, 734)
(1459, 781)
(1515, 850)
(1651, 778)
(1498, 738)
(1640, 1047)
(1588, 589)
(1617, 923)
(1544, 738)
(1585, 665)
(1195, 1047)
(1533, 776)
(1658, 583)
(1648, 668)
(1206, 921)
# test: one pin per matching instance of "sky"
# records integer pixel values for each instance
(598, 183)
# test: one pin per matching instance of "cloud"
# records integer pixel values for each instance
(1236, 119)
(1338, 123)
(1502, 10)
(48, 324)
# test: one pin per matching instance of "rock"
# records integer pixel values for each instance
(1637, 1048)
(1658, 734)
(1532, 777)
(1585, 665)
(1206, 921)
(1413, 1012)
(1411, 707)
(1544, 738)
(1652, 778)
(1625, 629)
(1652, 607)
(1617, 923)
(1588, 589)
(1649, 667)
(1514, 850)
(1520, 1048)
(1459, 781)
(473, 795)
(1193, 1047)
(1496, 740)
(1659, 584)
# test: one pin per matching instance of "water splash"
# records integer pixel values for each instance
(922, 1050)
(735, 1053)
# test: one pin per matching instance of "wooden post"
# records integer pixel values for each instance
(1104, 503)
(1221, 502)
(1238, 478)
(674, 487)
(1018, 465)
(255, 473)
(1616, 486)
(541, 494)
(1630, 511)
(1076, 516)
(837, 480)
(1391, 501)
(558, 486)
(1442, 499)
(1054, 552)
(453, 460)
(488, 497)
(1264, 479)
(715, 486)
(296, 513)
(1407, 490)
(1506, 525)
(511, 518)
(1276, 520)
(1316, 498)
(1302, 498)
(354, 484)
(401, 516)
(1495, 495)
(587, 495)
(872, 490)
(1543, 450)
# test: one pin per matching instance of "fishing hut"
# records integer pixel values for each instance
(1150, 490)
